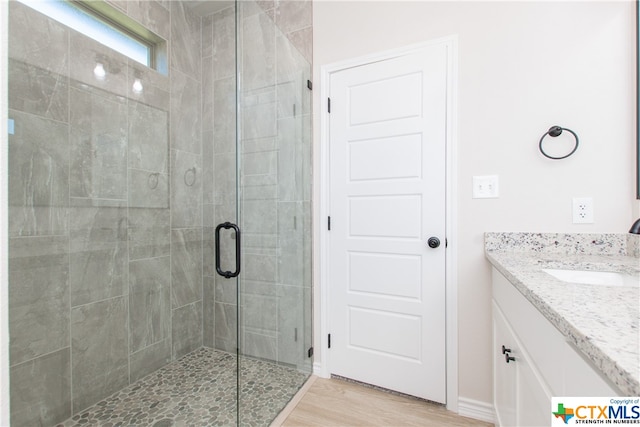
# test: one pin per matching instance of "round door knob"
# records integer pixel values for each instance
(433, 242)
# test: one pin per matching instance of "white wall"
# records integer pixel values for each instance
(523, 67)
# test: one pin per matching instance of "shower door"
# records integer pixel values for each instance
(263, 237)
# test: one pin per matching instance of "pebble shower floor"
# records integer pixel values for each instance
(198, 390)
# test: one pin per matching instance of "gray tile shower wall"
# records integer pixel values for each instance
(149, 302)
(39, 175)
(99, 350)
(39, 296)
(106, 210)
(41, 389)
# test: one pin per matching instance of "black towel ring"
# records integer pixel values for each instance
(557, 131)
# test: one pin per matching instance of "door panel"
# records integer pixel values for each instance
(370, 216)
(390, 98)
(386, 158)
(385, 274)
(387, 197)
(366, 326)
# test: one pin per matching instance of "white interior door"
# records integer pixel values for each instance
(387, 198)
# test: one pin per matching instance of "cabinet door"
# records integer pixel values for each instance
(534, 400)
(520, 395)
(504, 374)
(581, 378)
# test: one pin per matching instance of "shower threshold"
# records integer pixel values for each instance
(198, 390)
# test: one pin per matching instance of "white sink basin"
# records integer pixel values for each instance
(587, 277)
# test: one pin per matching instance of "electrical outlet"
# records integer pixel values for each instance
(582, 210)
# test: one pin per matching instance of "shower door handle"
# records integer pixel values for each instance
(228, 274)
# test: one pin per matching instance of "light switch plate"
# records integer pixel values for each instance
(486, 187)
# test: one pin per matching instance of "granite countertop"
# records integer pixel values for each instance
(601, 321)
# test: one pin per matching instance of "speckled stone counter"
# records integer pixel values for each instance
(601, 321)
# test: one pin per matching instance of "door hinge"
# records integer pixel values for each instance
(328, 105)
(329, 223)
(309, 85)
(310, 352)
(329, 341)
(446, 243)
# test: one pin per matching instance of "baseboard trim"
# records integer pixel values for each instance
(319, 370)
(475, 409)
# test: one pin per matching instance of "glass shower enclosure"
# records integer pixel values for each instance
(273, 200)
(159, 216)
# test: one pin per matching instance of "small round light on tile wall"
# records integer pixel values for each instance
(99, 71)
(137, 86)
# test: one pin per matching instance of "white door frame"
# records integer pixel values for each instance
(323, 367)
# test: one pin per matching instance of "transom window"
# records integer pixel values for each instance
(105, 25)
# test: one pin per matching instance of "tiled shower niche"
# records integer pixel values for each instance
(114, 196)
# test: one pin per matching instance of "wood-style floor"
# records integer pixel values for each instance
(333, 403)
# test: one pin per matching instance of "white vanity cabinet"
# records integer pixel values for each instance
(536, 363)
